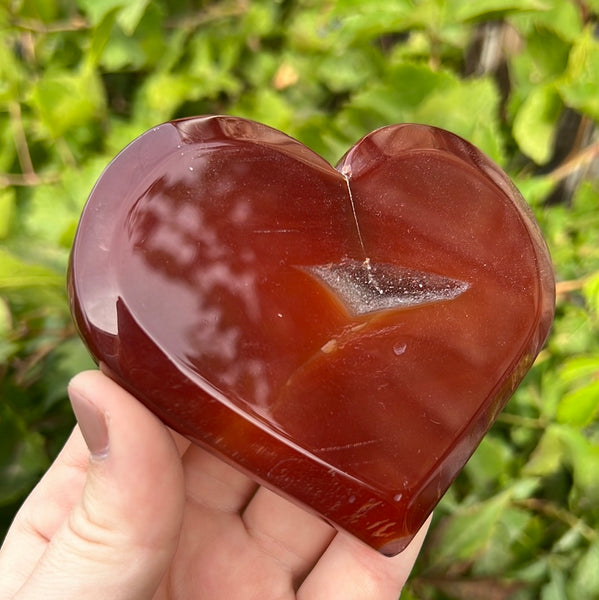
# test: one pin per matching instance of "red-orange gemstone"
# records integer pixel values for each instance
(344, 335)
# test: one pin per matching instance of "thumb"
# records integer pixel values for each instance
(119, 538)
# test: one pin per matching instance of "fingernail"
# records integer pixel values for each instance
(92, 423)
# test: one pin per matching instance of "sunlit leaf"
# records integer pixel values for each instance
(358, 19)
(490, 463)
(15, 273)
(66, 100)
(466, 534)
(556, 588)
(580, 86)
(7, 211)
(129, 12)
(534, 125)
(465, 10)
(584, 584)
(591, 292)
(562, 18)
(579, 407)
(12, 74)
(45, 10)
(579, 367)
(548, 456)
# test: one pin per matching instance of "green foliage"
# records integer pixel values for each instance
(79, 79)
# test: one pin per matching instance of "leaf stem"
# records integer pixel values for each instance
(26, 179)
(77, 23)
(23, 154)
(582, 158)
(529, 422)
(549, 509)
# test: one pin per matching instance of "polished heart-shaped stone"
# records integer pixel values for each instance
(344, 335)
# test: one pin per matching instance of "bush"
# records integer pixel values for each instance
(79, 79)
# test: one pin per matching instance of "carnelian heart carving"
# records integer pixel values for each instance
(346, 336)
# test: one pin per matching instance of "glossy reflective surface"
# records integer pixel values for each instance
(346, 336)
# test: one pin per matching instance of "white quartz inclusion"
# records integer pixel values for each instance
(365, 287)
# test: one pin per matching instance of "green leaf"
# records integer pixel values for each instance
(97, 10)
(579, 367)
(100, 39)
(266, 106)
(562, 18)
(128, 12)
(7, 345)
(347, 70)
(556, 588)
(12, 74)
(146, 48)
(360, 20)
(66, 101)
(414, 93)
(565, 446)
(161, 95)
(534, 125)
(53, 210)
(579, 407)
(22, 455)
(473, 115)
(466, 10)
(514, 529)
(45, 10)
(490, 463)
(15, 274)
(7, 211)
(49, 213)
(584, 584)
(580, 86)
(548, 456)
(590, 291)
(393, 99)
(535, 189)
(584, 458)
(548, 53)
(467, 533)
(131, 14)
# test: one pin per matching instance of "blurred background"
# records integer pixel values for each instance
(79, 79)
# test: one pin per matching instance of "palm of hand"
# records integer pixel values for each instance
(160, 519)
(238, 536)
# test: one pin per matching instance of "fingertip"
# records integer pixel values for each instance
(92, 423)
(83, 379)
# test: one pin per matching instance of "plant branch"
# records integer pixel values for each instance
(549, 509)
(77, 23)
(16, 119)
(216, 13)
(26, 179)
(578, 161)
(529, 422)
(562, 288)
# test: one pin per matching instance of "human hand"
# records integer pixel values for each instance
(140, 513)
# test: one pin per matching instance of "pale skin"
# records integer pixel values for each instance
(138, 513)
